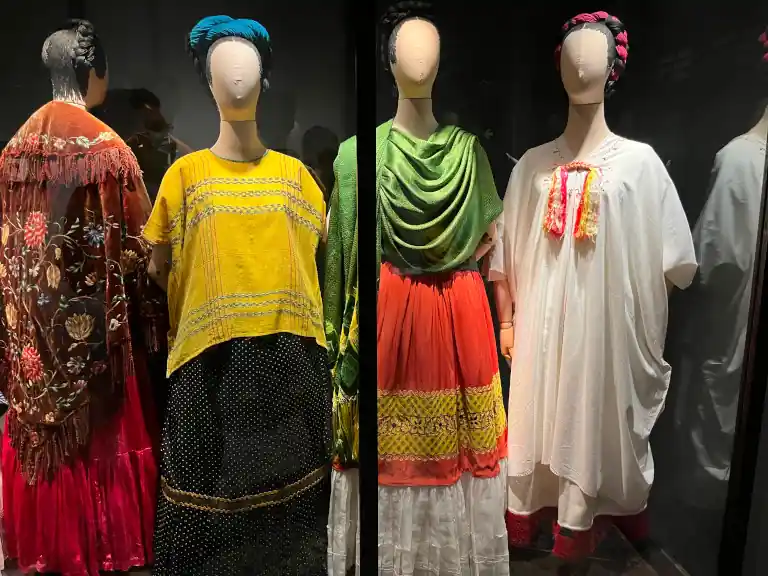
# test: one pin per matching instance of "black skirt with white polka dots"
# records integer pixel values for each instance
(245, 455)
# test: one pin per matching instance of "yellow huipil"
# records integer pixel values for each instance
(243, 237)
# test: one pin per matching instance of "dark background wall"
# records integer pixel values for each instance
(145, 45)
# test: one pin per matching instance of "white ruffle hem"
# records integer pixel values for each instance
(343, 527)
(456, 530)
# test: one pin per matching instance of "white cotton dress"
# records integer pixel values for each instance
(588, 376)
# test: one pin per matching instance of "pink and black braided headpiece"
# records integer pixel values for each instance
(615, 27)
(764, 41)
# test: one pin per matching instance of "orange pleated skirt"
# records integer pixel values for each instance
(440, 405)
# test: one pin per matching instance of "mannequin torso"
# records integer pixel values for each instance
(241, 226)
(592, 230)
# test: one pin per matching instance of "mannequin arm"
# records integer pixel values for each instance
(505, 305)
(160, 265)
(487, 242)
(505, 309)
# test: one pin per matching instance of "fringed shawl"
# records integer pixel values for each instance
(73, 204)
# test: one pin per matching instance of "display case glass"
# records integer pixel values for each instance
(695, 89)
(153, 150)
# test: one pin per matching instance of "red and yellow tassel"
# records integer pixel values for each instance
(587, 215)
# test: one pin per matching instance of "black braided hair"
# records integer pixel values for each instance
(390, 23)
(615, 33)
(75, 46)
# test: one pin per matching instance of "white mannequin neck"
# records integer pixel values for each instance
(417, 47)
(761, 128)
(235, 80)
(239, 141)
(414, 116)
(586, 128)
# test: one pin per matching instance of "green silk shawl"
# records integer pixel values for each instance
(435, 199)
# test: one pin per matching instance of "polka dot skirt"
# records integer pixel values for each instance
(246, 417)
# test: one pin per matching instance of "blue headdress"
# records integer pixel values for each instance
(213, 28)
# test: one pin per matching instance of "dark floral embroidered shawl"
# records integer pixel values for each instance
(73, 204)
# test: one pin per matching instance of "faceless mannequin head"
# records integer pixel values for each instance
(234, 57)
(415, 57)
(235, 78)
(592, 56)
(77, 63)
(412, 48)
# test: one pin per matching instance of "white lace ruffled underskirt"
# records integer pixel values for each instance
(456, 530)
(343, 528)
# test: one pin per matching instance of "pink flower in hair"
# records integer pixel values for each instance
(622, 38)
(614, 75)
(602, 15)
(763, 38)
(765, 57)
(622, 52)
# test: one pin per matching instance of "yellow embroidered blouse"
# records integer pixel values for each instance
(243, 239)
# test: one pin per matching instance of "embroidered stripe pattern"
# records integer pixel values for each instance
(230, 306)
(209, 211)
(417, 425)
(193, 189)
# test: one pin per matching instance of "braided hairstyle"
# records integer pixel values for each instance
(391, 22)
(618, 44)
(75, 47)
(213, 28)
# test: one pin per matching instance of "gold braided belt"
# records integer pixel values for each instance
(243, 503)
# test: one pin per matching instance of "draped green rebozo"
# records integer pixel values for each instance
(341, 306)
(436, 199)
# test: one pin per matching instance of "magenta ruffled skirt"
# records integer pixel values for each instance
(96, 514)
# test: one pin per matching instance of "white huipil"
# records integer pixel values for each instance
(588, 377)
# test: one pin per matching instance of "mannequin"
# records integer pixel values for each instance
(581, 266)
(436, 201)
(76, 445)
(246, 439)
(716, 315)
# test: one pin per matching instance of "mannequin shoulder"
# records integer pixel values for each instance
(741, 151)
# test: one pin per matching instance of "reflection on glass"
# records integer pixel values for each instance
(709, 340)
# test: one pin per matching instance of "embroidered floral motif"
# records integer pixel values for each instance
(94, 234)
(75, 365)
(128, 260)
(31, 365)
(35, 230)
(11, 315)
(44, 140)
(79, 326)
(53, 275)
